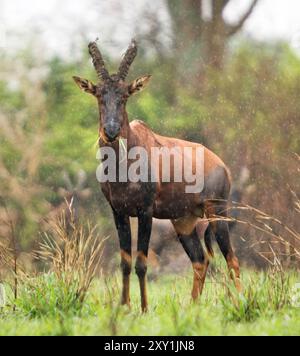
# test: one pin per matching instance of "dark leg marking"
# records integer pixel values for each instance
(208, 239)
(123, 226)
(195, 252)
(221, 230)
(144, 233)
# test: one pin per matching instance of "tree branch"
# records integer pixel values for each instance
(217, 9)
(201, 20)
(236, 28)
(225, 3)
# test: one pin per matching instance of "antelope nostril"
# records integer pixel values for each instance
(112, 131)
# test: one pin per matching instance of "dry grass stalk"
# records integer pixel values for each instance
(73, 252)
(9, 252)
(268, 226)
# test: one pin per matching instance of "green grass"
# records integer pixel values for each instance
(267, 307)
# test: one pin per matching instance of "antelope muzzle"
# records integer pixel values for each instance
(112, 131)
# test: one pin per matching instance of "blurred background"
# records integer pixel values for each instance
(226, 73)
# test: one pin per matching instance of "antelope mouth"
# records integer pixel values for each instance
(106, 139)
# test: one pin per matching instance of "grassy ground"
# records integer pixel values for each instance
(269, 306)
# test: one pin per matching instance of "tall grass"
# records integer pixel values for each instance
(73, 253)
(263, 295)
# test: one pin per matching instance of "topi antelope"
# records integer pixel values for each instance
(160, 199)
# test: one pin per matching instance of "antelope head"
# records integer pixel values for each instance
(112, 91)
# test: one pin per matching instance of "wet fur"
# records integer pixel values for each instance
(157, 200)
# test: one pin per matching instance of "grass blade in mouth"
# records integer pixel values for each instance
(96, 144)
(123, 148)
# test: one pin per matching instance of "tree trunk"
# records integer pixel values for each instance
(202, 40)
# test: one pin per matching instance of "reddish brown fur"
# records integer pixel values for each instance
(171, 200)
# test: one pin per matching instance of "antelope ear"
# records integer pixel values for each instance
(139, 84)
(85, 85)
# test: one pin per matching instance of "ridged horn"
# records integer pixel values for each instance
(128, 59)
(98, 62)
